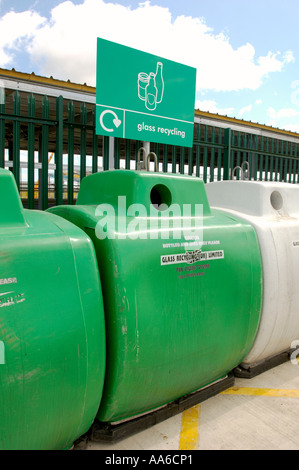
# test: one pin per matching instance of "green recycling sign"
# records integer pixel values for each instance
(144, 97)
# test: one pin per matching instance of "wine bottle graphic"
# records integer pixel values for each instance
(151, 87)
(159, 82)
(151, 93)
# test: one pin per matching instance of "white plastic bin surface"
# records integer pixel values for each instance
(273, 210)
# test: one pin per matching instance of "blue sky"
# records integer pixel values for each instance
(246, 52)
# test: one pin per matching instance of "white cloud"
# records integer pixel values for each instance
(289, 57)
(282, 113)
(16, 29)
(211, 107)
(65, 45)
(284, 118)
(245, 109)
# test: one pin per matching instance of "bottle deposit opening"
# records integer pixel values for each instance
(276, 200)
(160, 197)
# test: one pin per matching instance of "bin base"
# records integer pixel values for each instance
(267, 364)
(113, 432)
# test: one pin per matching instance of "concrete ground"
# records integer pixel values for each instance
(261, 413)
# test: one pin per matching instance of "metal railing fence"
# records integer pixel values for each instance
(50, 144)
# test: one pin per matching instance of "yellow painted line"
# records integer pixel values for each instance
(266, 392)
(189, 436)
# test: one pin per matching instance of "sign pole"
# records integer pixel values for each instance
(146, 145)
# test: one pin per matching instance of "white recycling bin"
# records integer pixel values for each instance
(273, 210)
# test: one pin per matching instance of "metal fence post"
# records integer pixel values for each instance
(31, 148)
(95, 144)
(106, 153)
(227, 154)
(59, 152)
(83, 114)
(70, 176)
(16, 137)
(43, 157)
(2, 129)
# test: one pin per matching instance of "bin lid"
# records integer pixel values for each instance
(255, 198)
(140, 187)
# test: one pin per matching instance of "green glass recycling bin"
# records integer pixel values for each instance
(52, 331)
(181, 284)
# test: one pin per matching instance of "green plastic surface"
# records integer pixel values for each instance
(51, 325)
(171, 329)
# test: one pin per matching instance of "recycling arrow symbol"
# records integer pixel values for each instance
(116, 121)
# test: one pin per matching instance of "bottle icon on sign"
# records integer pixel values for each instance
(151, 93)
(151, 87)
(159, 82)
